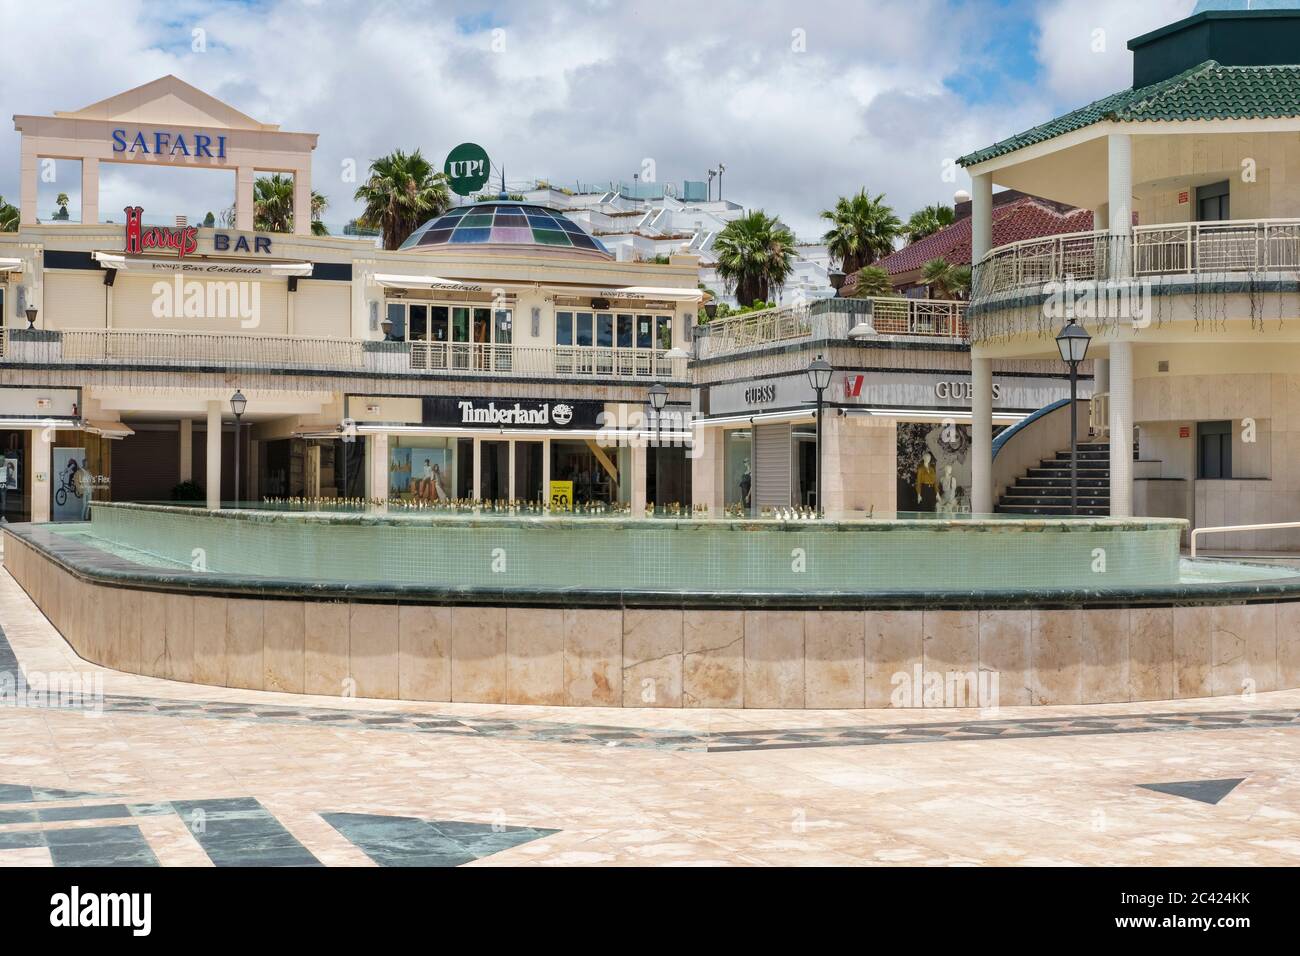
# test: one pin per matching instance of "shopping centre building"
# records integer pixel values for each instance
(502, 353)
(1188, 285)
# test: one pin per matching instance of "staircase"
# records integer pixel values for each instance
(1045, 490)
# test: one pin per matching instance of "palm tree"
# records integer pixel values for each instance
(61, 201)
(927, 221)
(946, 281)
(872, 281)
(8, 216)
(863, 229)
(273, 205)
(755, 254)
(403, 191)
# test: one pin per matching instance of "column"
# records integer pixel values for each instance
(89, 191)
(38, 473)
(510, 474)
(244, 177)
(546, 471)
(302, 202)
(377, 467)
(707, 468)
(638, 457)
(1101, 216)
(1119, 178)
(29, 174)
(214, 456)
(474, 492)
(981, 216)
(981, 416)
(185, 469)
(1121, 429)
(1099, 411)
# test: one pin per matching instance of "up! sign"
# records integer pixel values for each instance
(467, 168)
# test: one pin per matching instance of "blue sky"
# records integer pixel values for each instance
(802, 101)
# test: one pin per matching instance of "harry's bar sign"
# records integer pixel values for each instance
(182, 240)
(510, 412)
(162, 143)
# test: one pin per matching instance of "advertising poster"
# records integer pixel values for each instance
(561, 496)
(71, 485)
(934, 467)
(420, 473)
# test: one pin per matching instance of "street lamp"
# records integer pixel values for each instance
(836, 277)
(31, 317)
(722, 168)
(237, 405)
(658, 399)
(1072, 341)
(819, 377)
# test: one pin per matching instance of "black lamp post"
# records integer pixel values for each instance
(658, 399)
(31, 317)
(1072, 341)
(819, 377)
(237, 405)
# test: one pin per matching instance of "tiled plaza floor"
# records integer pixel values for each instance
(175, 774)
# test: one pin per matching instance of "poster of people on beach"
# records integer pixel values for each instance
(421, 473)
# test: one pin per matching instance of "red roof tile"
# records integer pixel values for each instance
(1027, 218)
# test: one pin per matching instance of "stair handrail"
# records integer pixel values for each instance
(1006, 433)
(1275, 526)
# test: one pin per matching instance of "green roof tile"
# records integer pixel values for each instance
(1205, 92)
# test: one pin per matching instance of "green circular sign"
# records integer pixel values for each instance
(467, 168)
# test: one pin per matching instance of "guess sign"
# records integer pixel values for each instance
(139, 238)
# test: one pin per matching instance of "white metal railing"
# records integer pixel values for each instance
(124, 347)
(833, 318)
(557, 361)
(1189, 248)
(1277, 526)
(222, 349)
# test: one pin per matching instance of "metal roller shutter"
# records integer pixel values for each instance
(771, 466)
(74, 300)
(146, 465)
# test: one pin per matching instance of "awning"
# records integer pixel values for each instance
(225, 268)
(108, 429)
(655, 292)
(11, 265)
(391, 281)
(56, 423)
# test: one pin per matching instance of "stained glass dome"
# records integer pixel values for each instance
(504, 223)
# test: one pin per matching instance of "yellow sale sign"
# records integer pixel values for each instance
(561, 496)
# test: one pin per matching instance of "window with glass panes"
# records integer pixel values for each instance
(623, 330)
(428, 322)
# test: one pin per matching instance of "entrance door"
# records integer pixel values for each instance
(494, 477)
(528, 471)
(805, 457)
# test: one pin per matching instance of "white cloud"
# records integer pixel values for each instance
(584, 91)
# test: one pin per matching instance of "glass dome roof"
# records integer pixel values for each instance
(505, 223)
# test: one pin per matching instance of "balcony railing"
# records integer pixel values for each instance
(125, 348)
(833, 319)
(1192, 248)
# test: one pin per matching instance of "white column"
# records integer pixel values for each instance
(1119, 179)
(1121, 429)
(28, 175)
(244, 177)
(214, 456)
(38, 473)
(510, 487)
(474, 491)
(89, 191)
(981, 416)
(185, 467)
(546, 471)
(377, 467)
(302, 202)
(638, 457)
(981, 215)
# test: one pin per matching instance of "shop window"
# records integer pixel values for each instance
(417, 323)
(528, 471)
(397, 316)
(563, 328)
(460, 324)
(1212, 202)
(504, 326)
(625, 331)
(438, 315)
(1213, 450)
(594, 473)
(583, 336)
(644, 333)
(604, 330)
(664, 325)
(737, 471)
(482, 326)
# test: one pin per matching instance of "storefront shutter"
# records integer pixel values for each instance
(323, 309)
(146, 465)
(771, 466)
(73, 300)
